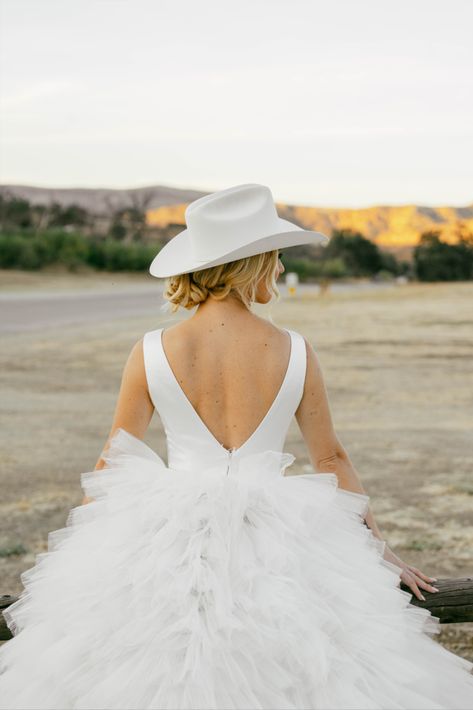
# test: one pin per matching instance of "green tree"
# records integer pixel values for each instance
(70, 216)
(128, 225)
(361, 256)
(436, 260)
(14, 212)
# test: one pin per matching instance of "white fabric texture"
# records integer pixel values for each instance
(218, 581)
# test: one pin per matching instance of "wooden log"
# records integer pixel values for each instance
(453, 603)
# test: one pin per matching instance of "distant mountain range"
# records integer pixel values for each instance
(103, 201)
(396, 228)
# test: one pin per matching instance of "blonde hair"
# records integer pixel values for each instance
(240, 277)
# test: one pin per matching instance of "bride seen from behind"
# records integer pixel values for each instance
(230, 364)
(216, 580)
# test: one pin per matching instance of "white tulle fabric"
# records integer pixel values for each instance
(219, 581)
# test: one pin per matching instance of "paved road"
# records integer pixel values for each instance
(37, 310)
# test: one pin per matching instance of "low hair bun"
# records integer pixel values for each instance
(241, 277)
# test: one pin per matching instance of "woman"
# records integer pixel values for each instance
(218, 581)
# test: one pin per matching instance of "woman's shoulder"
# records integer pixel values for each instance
(278, 336)
(282, 331)
(256, 330)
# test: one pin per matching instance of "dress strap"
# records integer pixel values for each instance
(154, 366)
(298, 366)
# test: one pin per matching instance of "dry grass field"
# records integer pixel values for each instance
(398, 367)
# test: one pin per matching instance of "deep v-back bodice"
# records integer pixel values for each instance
(188, 439)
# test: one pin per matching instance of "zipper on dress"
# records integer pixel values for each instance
(229, 461)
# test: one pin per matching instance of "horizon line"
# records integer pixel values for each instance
(197, 189)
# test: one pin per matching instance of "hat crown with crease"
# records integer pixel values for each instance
(233, 217)
(228, 225)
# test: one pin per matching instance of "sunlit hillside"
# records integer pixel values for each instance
(394, 227)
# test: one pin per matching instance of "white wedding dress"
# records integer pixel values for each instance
(218, 581)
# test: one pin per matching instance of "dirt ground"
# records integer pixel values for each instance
(398, 366)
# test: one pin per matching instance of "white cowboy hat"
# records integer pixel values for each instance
(228, 225)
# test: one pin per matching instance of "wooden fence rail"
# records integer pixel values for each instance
(453, 603)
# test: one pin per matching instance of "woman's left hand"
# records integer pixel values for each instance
(411, 576)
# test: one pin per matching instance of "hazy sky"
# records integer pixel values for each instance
(340, 103)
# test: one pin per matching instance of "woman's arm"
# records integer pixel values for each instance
(326, 452)
(328, 455)
(134, 408)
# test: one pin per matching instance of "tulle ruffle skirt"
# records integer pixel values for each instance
(200, 590)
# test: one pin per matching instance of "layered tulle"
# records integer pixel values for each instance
(196, 589)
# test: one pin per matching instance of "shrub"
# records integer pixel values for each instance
(436, 260)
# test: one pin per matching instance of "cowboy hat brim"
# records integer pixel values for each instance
(176, 258)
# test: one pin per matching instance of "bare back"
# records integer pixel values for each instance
(230, 364)
(230, 370)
